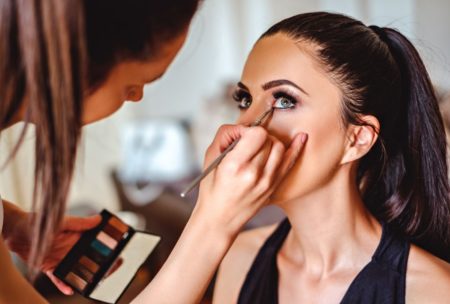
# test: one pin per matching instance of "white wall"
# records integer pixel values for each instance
(221, 35)
(224, 31)
(432, 35)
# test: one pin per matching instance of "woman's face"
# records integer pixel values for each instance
(126, 81)
(282, 73)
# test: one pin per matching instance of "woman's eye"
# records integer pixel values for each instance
(245, 103)
(243, 99)
(284, 102)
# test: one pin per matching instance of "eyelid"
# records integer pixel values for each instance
(238, 94)
(241, 90)
(289, 93)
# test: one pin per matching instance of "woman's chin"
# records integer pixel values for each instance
(279, 199)
(282, 197)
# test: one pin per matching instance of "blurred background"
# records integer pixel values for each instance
(137, 161)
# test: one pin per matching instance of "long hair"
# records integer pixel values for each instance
(53, 53)
(404, 176)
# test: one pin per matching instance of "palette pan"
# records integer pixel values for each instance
(105, 259)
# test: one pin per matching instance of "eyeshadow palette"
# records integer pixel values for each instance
(105, 259)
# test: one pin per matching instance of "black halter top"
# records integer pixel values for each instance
(381, 281)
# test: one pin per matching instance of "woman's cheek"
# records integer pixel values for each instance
(102, 103)
(317, 162)
(284, 127)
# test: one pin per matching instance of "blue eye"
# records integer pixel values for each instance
(243, 99)
(284, 101)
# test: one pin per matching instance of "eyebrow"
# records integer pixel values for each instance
(280, 82)
(242, 86)
(273, 84)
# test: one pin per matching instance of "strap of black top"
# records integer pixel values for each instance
(392, 251)
(259, 284)
(380, 281)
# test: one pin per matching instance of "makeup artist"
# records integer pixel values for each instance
(64, 64)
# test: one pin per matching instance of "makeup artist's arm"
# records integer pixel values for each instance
(13, 218)
(14, 288)
(17, 237)
(228, 198)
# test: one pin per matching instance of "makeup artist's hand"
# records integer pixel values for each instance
(228, 197)
(247, 176)
(71, 229)
(70, 232)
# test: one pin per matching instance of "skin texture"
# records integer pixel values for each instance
(258, 163)
(333, 236)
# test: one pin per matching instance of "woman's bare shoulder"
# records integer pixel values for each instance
(428, 278)
(237, 263)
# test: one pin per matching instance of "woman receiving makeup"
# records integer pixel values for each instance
(68, 63)
(367, 203)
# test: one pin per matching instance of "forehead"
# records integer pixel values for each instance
(280, 57)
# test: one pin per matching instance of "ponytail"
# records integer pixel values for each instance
(415, 179)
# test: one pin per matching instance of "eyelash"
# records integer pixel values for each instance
(287, 95)
(240, 94)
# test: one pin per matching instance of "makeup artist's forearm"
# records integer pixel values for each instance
(191, 265)
(14, 288)
(13, 216)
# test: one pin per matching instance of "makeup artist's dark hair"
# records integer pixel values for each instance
(53, 52)
(404, 176)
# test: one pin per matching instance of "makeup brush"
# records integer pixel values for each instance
(217, 161)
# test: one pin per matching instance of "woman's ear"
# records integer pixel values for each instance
(360, 139)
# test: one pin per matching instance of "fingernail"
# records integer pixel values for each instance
(304, 138)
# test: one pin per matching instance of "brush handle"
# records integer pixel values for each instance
(208, 170)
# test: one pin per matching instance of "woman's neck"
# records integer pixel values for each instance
(331, 228)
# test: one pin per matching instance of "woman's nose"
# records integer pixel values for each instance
(135, 93)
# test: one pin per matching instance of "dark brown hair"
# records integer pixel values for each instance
(52, 54)
(380, 73)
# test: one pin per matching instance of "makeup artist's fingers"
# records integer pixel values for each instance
(249, 172)
(65, 289)
(241, 184)
(80, 224)
(273, 163)
(248, 158)
(225, 136)
(248, 181)
(290, 156)
(252, 142)
(228, 134)
(260, 160)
